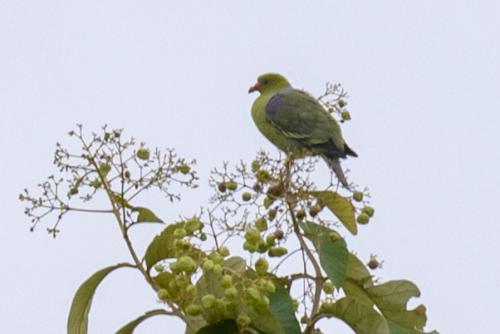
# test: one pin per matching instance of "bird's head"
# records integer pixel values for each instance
(269, 82)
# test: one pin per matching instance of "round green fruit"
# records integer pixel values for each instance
(231, 185)
(208, 301)
(243, 320)
(328, 287)
(224, 251)
(346, 116)
(363, 219)
(263, 176)
(277, 251)
(193, 310)
(143, 153)
(226, 281)
(357, 196)
(261, 224)
(246, 196)
(184, 169)
(368, 210)
(261, 266)
(208, 265)
(163, 294)
(231, 293)
(187, 264)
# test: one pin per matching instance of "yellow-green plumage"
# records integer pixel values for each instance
(296, 123)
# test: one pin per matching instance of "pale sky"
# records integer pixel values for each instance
(423, 79)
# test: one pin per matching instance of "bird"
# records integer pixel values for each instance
(297, 124)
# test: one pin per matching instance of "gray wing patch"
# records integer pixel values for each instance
(274, 109)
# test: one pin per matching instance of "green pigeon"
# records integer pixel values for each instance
(297, 123)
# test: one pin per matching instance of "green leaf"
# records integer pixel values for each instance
(162, 247)
(362, 318)
(391, 299)
(333, 254)
(146, 215)
(130, 327)
(80, 307)
(357, 272)
(340, 206)
(333, 257)
(282, 308)
(227, 326)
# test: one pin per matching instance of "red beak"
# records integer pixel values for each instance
(255, 87)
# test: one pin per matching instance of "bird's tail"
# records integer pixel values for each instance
(334, 164)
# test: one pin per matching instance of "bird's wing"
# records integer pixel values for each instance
(300, 116)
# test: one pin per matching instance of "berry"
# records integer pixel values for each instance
(217, 269)
(252, 235)
(346, 116)
(224, 251)
(268, 201)
(275, 190)
(253, 294)
(255, 166)
(269, 287)
(373, 263)
(184, 169)
(314, 210)
(368, 210)
(271, 240)
(328, 287)
(163, 294)
(257, 187)
(250, 246)
(263, 176)
(231, 185)
(231, 293)
(208, 301)
(192, 225)
(208, 265)
(262, 246)
(104, 168)
(243, 320)
(300, 214)
(193, 310)
(261, 266)
(222, 187)
(363, 219)
(226, 281)
(342, 103)
(277, 251)
(246, 196)
(143, 153)
(187, 264)
(191, 290)
(358, 196)
(261, 224)
(271, 214)
(279, 234)
(179, 233)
